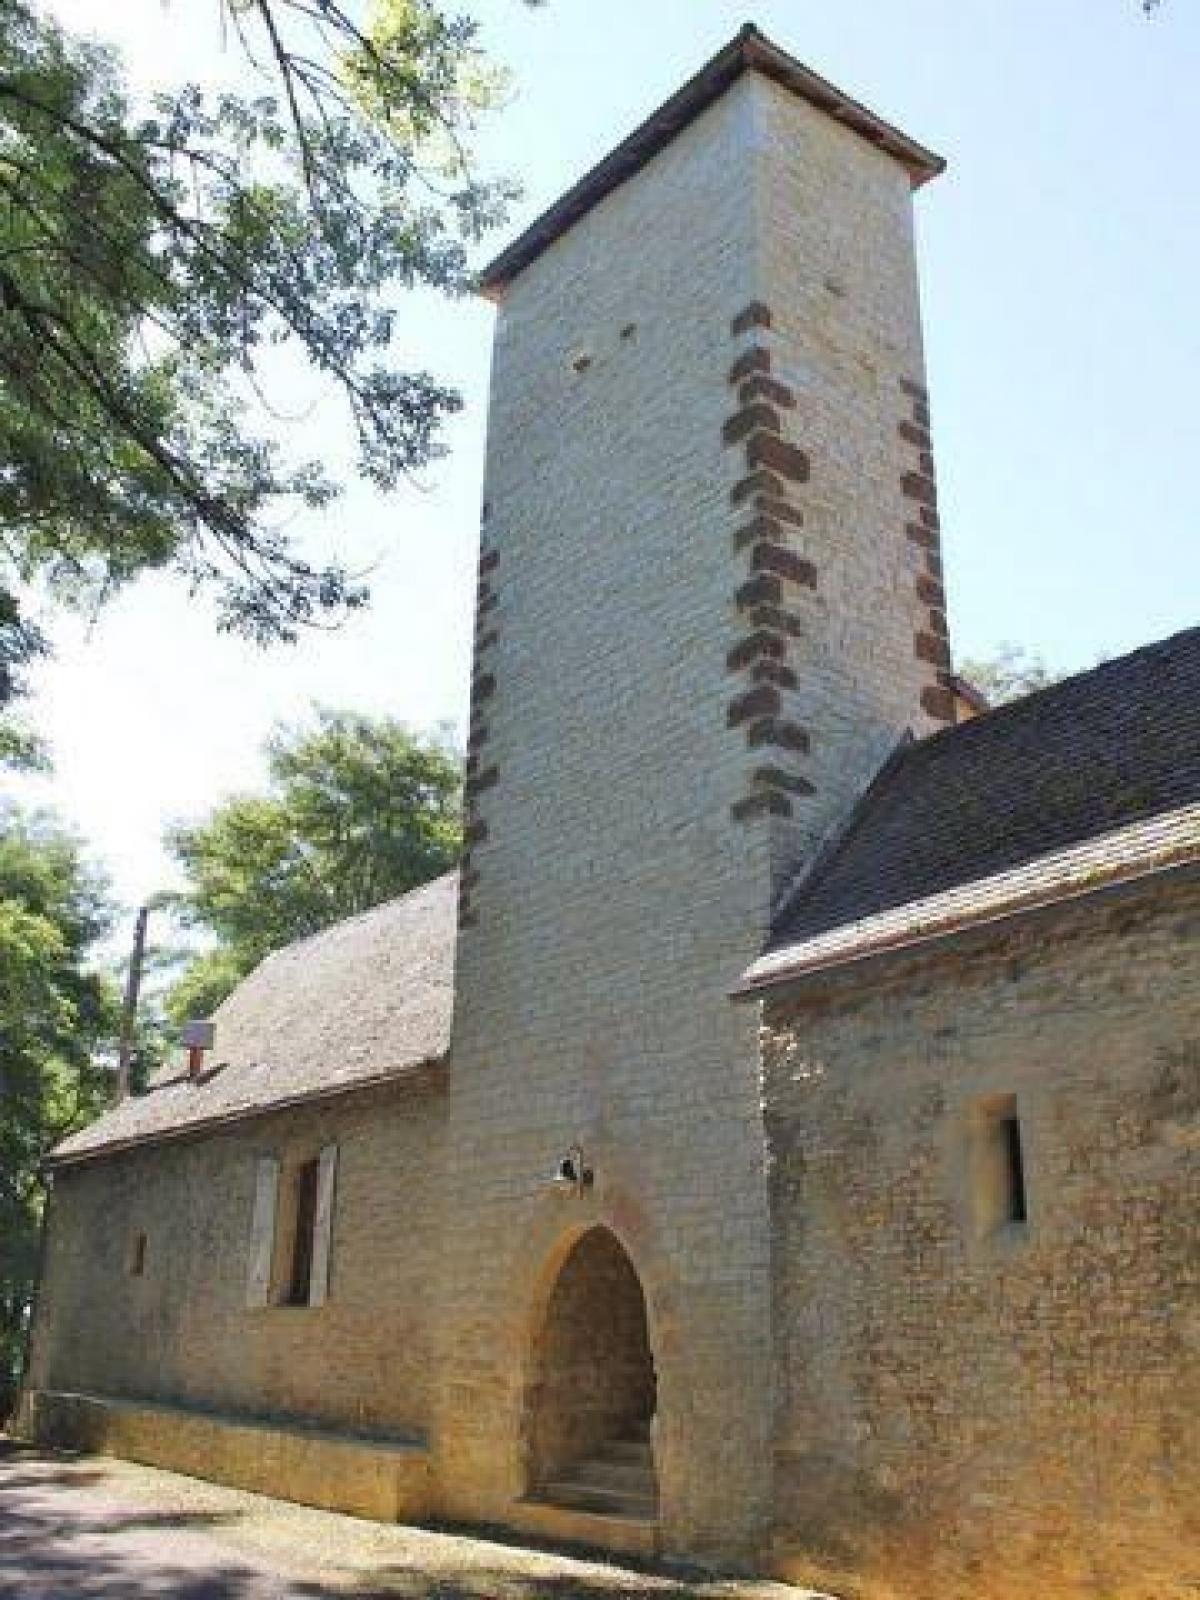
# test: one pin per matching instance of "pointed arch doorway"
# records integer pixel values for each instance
(593, 1391)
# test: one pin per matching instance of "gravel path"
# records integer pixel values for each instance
(95, 1527)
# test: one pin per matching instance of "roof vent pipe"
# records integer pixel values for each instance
(197, 1037)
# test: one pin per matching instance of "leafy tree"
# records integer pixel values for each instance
(357, 810)
(1009, 674)
(20, 748)
(57, 1014)
(150, 257)
(205, 981)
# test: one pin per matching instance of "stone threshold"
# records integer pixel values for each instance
(595, 1530)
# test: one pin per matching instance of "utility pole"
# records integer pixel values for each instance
(133, 985)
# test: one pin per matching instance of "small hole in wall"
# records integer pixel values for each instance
(629, 332)
(581, 361)
(835, 286)
(998, 1193)
(137, 1256)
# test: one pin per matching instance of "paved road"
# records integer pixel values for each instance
(109, 1530)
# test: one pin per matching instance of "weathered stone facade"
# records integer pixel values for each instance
(747, 1252)
(968, 1406)
(615, 903)
(180, 1330)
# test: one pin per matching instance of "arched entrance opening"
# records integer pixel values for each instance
(593, 1391)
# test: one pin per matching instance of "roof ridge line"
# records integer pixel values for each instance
(348, 921)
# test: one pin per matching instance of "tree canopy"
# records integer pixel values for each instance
(1009, 674)
(57, 1014)
(152, 254)
(357, 810)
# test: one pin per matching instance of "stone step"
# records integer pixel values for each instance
(616, 1480)
(635, 1536)
(580, 1494)
(625, 1450)
(614, 1473)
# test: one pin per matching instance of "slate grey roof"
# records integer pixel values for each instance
(367, 1000)
(1112, 858)
(1094, 779)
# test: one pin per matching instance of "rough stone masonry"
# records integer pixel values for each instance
(779, 1146)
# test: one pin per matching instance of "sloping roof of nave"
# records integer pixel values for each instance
(1094, 780)
(367, 1000)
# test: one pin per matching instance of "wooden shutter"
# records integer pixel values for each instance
(318, 1283)
(262, 1232)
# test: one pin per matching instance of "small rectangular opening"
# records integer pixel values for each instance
(303, 1232)
(1016, 1204)
(999, 1194)
(137, 1256)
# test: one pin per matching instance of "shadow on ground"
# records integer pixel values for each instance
(63, 1533)
(72, 1528)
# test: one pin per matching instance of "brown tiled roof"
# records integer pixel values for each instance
(748, 51)
(1092, 780)
(366, 1001)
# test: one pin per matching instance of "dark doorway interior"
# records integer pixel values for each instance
(594, 1389)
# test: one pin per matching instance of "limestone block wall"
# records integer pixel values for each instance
(181, 1332)
(968, 1406)
(660, 709)
(612, 898)
(839, 368)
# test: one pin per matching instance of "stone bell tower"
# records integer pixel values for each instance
(710, 602)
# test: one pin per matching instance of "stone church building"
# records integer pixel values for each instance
(779, 1145)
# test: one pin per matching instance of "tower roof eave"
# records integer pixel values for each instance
(748, 51)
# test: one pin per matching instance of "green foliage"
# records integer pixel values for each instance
(150, 257)
(57, 1014)
(21, 749)
(358, 810)
(1009, 674)
(204, 983)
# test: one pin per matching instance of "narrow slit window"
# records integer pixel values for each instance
(137, 1256)
(303, 1233)
(1016, 1204)
(999, 1192)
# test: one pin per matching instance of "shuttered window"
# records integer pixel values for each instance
(318, 1291)
(307, 1232)
(302, 1233)
(262, 1232)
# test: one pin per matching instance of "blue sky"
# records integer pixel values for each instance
(1060, 260)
